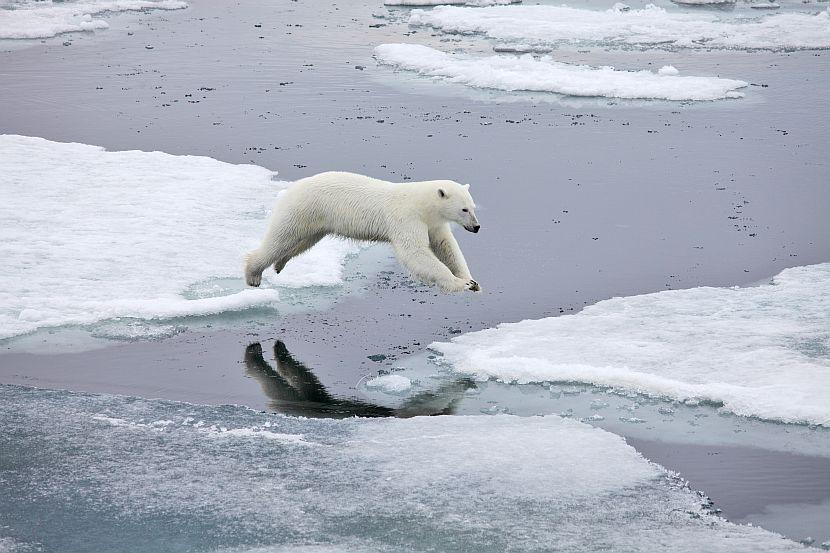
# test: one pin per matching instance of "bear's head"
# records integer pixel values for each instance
(455, 204)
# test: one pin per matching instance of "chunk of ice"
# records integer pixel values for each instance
(390, 383)
(648, 27)
(478, 483)
(704, 2)
(761, 351)
(43, 19)
(88, 235)
(449, 2)
(504, 72)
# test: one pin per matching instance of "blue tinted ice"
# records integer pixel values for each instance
(84, 472)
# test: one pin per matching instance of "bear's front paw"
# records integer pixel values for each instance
(472, 286)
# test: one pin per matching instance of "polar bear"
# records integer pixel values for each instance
(413, 217)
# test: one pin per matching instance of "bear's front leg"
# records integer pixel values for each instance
(459, 285)
(414, 253)
(443, 245)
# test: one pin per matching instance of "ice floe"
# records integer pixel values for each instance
(506, 72)
(764, 5)
(130, 474)
(449, 2)
(42, 19)
(761, 351)
(88, 235)
(704, 2)
(390, 383)
(651, 26)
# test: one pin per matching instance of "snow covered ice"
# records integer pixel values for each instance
(103, 469)
(651, 26)
(88, 235)
(761, 351)
(506, 72)
(390, 383)
(703, 2)
(43, 19)
(449, 2)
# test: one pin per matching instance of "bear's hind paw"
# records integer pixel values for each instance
(473, 286)
(253, 280)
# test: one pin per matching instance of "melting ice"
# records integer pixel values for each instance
(650, 26)
(449, 2)
(761, 351)
(504, 72)
(42, 19)
(88, 235)
(86, 472)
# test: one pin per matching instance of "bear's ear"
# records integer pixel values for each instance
(441, 193)
(466, 187)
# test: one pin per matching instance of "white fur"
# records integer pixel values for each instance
(413, 217)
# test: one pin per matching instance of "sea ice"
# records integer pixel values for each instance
(651, 26)
(761, 351)
(390, 383)
(505, 72)
(703, 2)
(42, 19)
(135, 475)
(449, 2)
(88, 235)
(764, 5)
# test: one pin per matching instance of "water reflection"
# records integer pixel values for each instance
(293, 389)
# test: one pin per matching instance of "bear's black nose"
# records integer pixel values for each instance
(475, 228)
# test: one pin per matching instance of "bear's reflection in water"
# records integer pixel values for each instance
(294, 390)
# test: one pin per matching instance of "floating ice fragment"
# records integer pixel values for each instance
(632, 420)
(390, 383)
(424, 3)
(540, 483)
(47, 19)
(703, 2)
(647, 27)
(760, 351)
(668, 70)
(131, 234)
(527, 73)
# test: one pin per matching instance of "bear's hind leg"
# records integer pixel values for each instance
(295, 250)
(275, 249)
(254, 265)
(279, 251)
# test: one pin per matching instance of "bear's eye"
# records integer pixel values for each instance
(465, 210)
